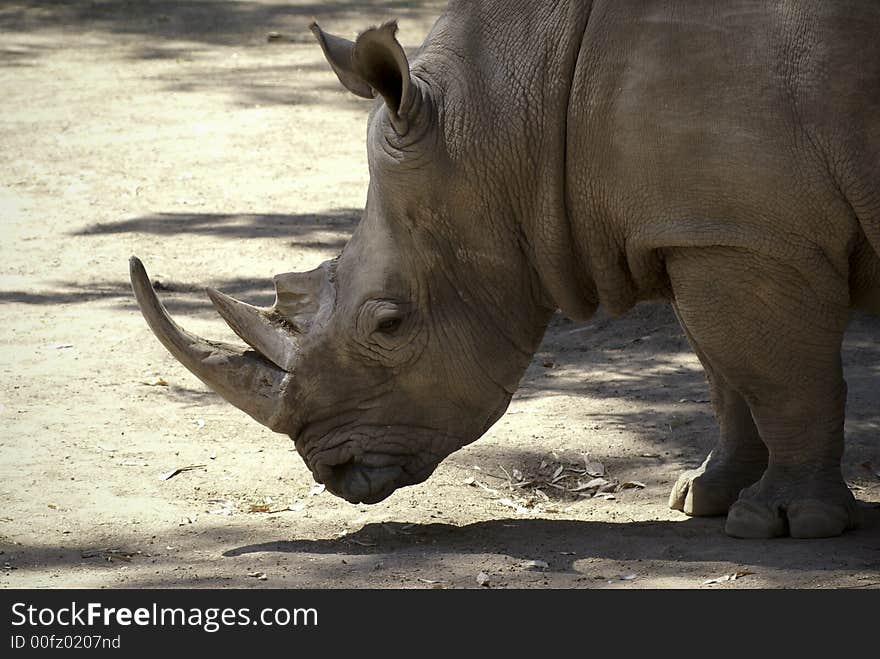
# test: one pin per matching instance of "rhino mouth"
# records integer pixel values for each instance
(359, 483)
(368, 472)
(369, 478)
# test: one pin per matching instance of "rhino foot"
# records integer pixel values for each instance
(767, 512)
(712, 488)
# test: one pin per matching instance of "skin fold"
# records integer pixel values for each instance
(721, 155)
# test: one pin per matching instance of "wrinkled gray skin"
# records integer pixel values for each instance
(720, 154)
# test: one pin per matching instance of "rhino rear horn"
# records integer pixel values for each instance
(259, 328)
(305, 297)
(373, 64)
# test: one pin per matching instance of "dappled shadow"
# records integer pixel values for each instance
(19, 56)
(176, 296)
(646, 348)
(309, 230)
(163, 52)
(645, 360)
(189, 32)
(321, 232)
(214, 22)
(262, 85)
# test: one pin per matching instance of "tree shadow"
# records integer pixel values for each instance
(646, 362)
(308, 230)
(263, 85)
(320, 232)
(210, 22)
(178, 297)
(19, 56)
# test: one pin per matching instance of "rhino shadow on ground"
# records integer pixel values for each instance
(563, 542)
(650, 549)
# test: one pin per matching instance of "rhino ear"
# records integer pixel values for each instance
(373, 64)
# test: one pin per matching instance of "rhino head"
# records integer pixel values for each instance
(408, 345)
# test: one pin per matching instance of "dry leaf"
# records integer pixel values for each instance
(159, 382)
(740, 574)
(627, 577)
(133, 463)
(318, 489)
(595, 469)
(513, 504)
(534, 565)
(259, 508)
(226, 506)
(729, 577)
(294, 507)
(109, 449)
(108, 553)
(483, 579)
(590, 485)
(258, 575)
(171, 474)
(631, 485)
(486, 488)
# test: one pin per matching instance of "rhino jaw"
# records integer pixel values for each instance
(243, 377)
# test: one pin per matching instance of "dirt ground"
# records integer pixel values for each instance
(179, 132)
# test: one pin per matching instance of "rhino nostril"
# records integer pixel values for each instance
(349, 480)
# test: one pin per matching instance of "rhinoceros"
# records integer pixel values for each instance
(722, 155)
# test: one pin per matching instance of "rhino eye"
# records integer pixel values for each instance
(389, 325)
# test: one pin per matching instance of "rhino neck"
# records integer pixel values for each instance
(516, 102)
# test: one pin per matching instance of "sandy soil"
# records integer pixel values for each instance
(176, 131)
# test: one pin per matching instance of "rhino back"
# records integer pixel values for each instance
(714, 122)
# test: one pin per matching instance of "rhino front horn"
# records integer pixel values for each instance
(244, 378)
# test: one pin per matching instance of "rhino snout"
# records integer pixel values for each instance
(357, 482)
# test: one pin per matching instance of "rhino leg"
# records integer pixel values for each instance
(773, 334)
(738, 459)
